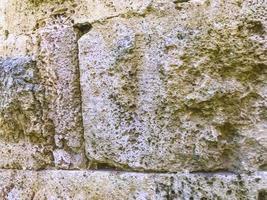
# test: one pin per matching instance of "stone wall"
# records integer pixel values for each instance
(152, 99)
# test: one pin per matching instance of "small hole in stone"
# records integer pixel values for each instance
(263, 167)
(262, 195)
(229, 192)
(257, 180)
(82, 28)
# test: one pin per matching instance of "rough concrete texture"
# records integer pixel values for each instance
(155, 86)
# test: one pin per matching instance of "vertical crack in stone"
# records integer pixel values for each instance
(81, 29)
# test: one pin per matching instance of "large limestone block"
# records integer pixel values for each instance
(104, 185)
(26, 132)
(180, 87)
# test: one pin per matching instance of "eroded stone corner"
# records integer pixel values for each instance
(26, 131)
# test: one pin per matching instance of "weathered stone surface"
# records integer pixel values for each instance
(59, 66)
(26, 134)
(163, 86)
(177, 89)
(40, 109)
(105, 185)
(23, 17)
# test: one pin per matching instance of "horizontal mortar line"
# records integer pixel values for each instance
(204, 173)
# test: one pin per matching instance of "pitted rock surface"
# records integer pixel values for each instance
(26, 132)
(100, 185)
(59, 66)
(167, 92)
(161, 99)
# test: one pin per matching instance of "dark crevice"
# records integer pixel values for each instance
(219, 171)
(262, 195)
(263, 167)
(104, 168)
(181, 1)
(82, 28)
(261, 192)
(96, 165)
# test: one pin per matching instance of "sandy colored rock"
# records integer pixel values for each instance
(59, 66)
(26, 132)
(106, 185)
(156, 86)
(177, 89)
(40, 105)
